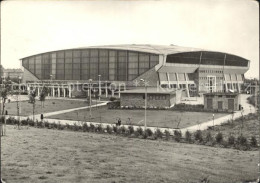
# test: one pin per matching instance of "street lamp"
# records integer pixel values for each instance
(19, 104)
(106, 89)
(99, 86)
(145, 100)
(90, 114)
(213, 120)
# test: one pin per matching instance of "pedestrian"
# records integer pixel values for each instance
(119, 122)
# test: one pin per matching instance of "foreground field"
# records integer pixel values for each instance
(50, 105)
(161, 118)
(42, 155)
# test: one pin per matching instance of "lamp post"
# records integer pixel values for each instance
(19, 104)
(106, 89)
(145, 101)
(90, 114)
(213, 120)
(99, 87)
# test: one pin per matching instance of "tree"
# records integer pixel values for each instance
(32, 100)
(43, 95)
(4, 92)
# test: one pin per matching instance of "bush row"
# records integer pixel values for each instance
(218, 140)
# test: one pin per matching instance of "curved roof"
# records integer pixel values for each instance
(156, 49)
(148, 48)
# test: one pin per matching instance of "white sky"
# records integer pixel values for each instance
(32, 27)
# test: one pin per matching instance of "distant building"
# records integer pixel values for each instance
(156, 98)
(222, 101)
(12, 73)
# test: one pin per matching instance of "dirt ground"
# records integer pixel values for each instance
(46, 155)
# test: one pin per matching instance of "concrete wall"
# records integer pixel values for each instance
(151, 76)
(28, 76)
(137, 100)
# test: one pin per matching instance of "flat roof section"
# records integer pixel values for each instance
(150, 91)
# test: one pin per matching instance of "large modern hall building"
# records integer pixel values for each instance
(193, 70)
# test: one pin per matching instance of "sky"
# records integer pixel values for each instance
(32, 27)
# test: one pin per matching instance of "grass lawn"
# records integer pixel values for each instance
(249, 129)
(50, 105)
(161, 118)
(44, 155)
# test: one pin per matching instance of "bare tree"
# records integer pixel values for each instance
(5, 91)
(32, 100)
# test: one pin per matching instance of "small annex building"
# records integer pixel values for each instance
(222, 101)
(156, 98)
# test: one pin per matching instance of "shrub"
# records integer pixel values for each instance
(68, 126)
(123, 129)
(40, 124)
(85, 127)
(198, 136)
(177, 135)
(241, 140)
(145, 135)
(92, 127)
(219, 137)
(187, 136)
(46, 124)
(10, 121)
(60, 126)
(115, 129)
(109, 129)
(167, 134)
(131, 129)
(112, 99)
(139, 131)
(253, 141)
(158, 133)
(55, 125)
(231, 140)
(99, 128)
(148, 132)
(31, 122)
(24, 122)
(209, 137)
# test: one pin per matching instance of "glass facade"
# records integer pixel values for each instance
(207, 58)
(83, 64)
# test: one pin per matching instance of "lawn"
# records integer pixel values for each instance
(50, 105)
(44, 155)
(161, 118)
(249, 128)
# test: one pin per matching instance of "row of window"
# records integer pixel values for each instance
(85, 64)
(206, 78)
(207, 58)
(156, 97)
(211, 71)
